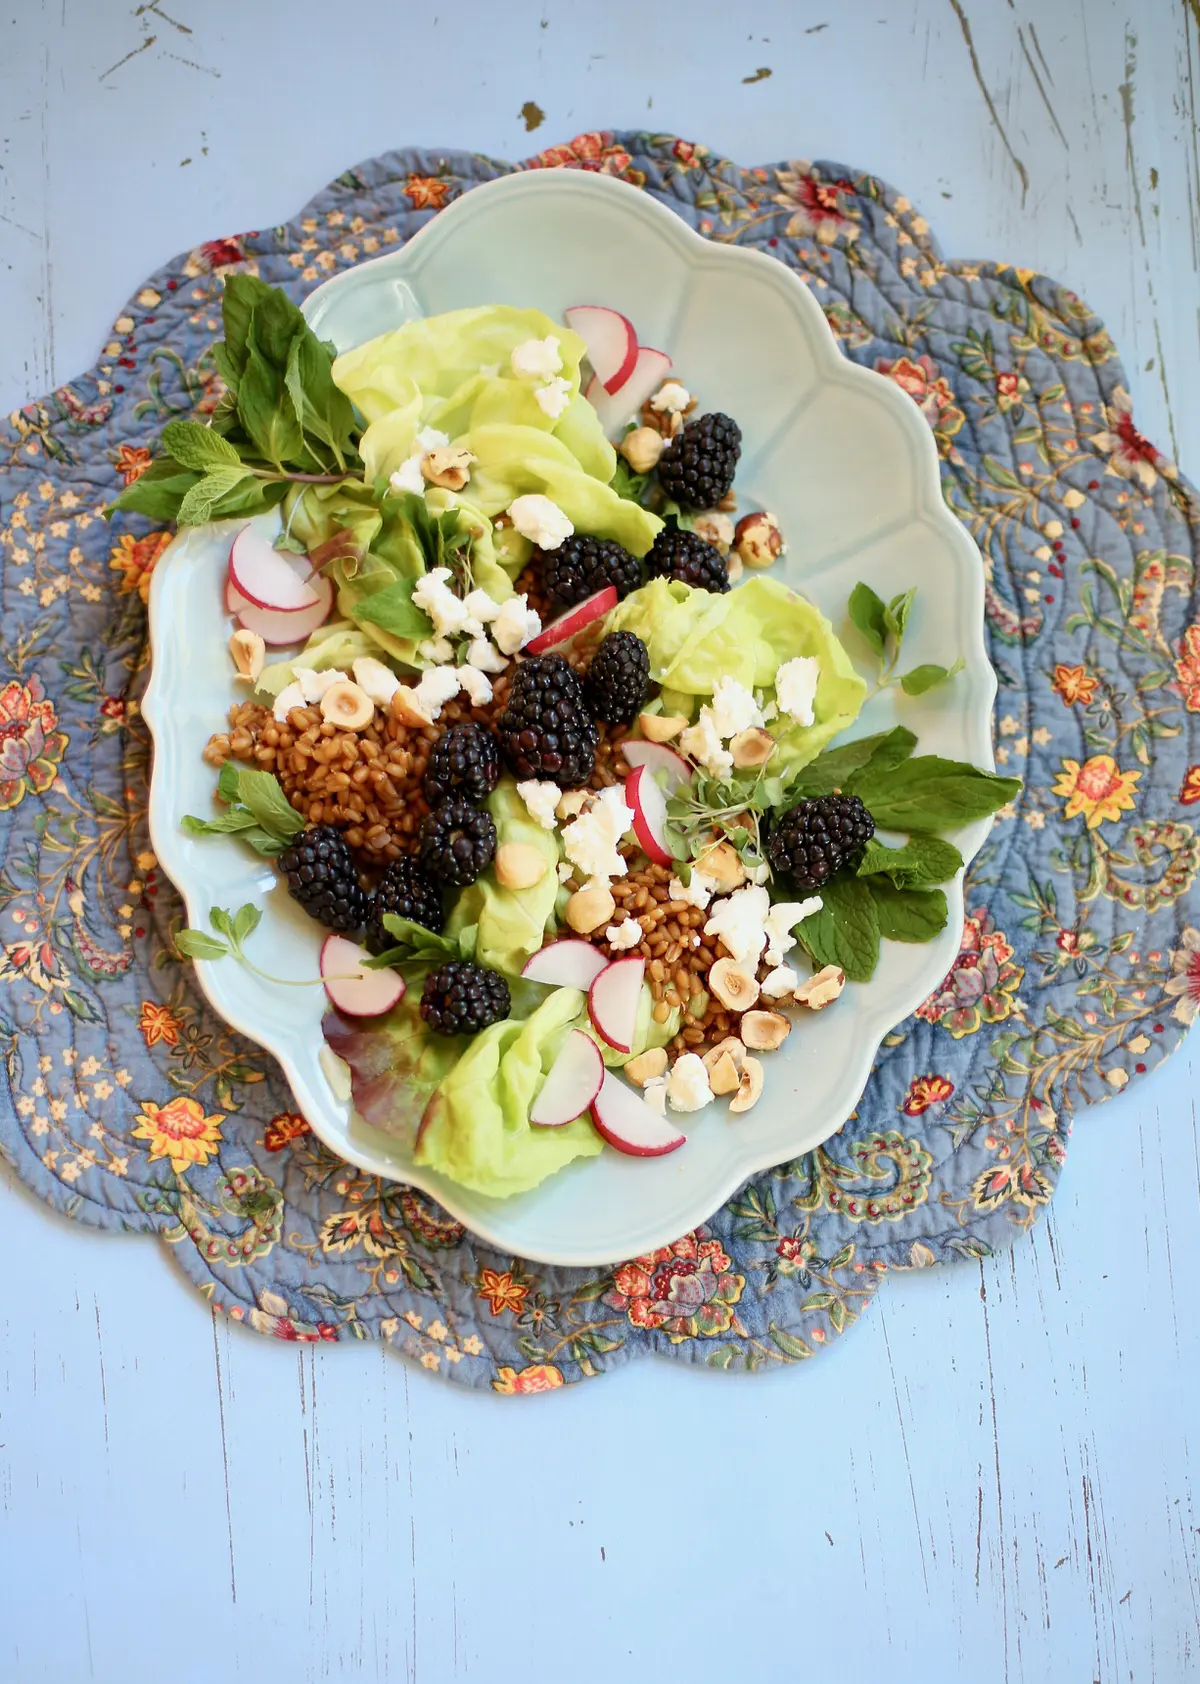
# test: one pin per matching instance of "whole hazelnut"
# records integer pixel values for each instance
(758, 540)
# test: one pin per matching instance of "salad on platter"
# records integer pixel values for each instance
(526, 722)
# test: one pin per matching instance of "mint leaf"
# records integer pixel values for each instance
(868, 614)
(196, 446)
(848, 765)
(393, 610)
(261, 793)
(245, 921)
(238, 302)
(846, 930)
(194, 944)
(932, 794)
(227, 780)
(199, 503)
(225, 824)
(922, 860)
(419, 942)
(908, 914)
(928, 677)
(221, 922)
(895, 615)
(264, 408)
(322, 409)
(157, 493)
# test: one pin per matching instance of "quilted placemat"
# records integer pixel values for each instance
(129, 1106)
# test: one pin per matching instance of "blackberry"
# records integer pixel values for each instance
(545, 730)
(464, 766)
(582, 565)
(678, 553)
(321, 875)
(815, 838)
(461, 998)
(615, 686)
(408, 892)
(457, 843)
(698, 465)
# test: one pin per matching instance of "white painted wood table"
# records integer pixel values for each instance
(993, 1478)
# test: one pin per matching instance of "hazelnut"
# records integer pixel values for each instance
(733, 986)
(447, 465)
(588, 908)
(753, 747)
(647, 1065)
(730, 1047)
(347, 706)
(249, 652)
(765, 1031)
(642, 448)
(572, 803)
(734, 566)
(723, 1075)
(758, 540)
(407, 708)
(750, 1086)
(716, 529)
(821, 990)
(519, 865)
(661, 727)
(722, 866)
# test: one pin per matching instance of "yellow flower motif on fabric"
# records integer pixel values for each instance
(135, 560)
(179, 1131)
(1098, 789)
(538, 1377)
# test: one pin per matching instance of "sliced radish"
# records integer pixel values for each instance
(624, 1119)
(568, 963)
(659, 758)
(613, 1001)
(612, 345)
(277, 628)
(351, 988)
(615, 408)
(572, 1083)
(592, 607)
(649, 806)
(265, 577)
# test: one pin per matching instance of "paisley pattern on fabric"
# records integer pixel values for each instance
(133, 1108)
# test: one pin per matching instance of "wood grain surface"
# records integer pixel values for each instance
(994, 1477)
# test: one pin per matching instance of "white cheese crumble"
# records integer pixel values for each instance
(291, 696)
(378, 682)
(796, 687)
(554, 396)
(482, 653)
(779, 983)
(438, 686)
(687, 1084)
(537, 359)
(671, 398)
(480, 609)
(782, 920)
(702, 743)
(408, 476)
(434, 597)
(315, 684)
(739, 921)
(590, 841)
(431, 438)
(541, 799)
(698, 892)
(654, 1092)
(733, 708)
(540, 520)
(621, 936)
(476, 685)
(515, 624)
(436, 649)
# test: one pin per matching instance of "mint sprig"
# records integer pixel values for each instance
(233, 929)
(414, 945)
(882, 626)
(257, 811)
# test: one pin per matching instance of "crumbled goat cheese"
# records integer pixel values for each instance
(375, 680)
(430, 438)
(541, 799)
(782, 920)
(796, 687)
(291, 696)
(671, 398)
(687, 1084)
(779, 983)
(697, 892)
(477, 685)
(436, 649)
(315, 684)
(702, 743)
(438, 686)
(621, 936)
(590, 841)
(515, 624)
(760, 873)
(481, 610)
(554, 396)
(739, 921)
(565, 870)
(537, 359)
(733, 708)
(483, 654)
(434, 597)
(540, 520)
(408, 476)
(654, 1092)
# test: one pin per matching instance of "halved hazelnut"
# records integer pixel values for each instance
(407, 708)
(716, 529)
(758, 539)
(573, 802)
(519, 865)
(447, 465)
(734, 987)
(642, 448)
(588, 908)
(765, 1031)
(249, 652)
(722, 865)
(750, 1086)
(821, 990)
(347, 706)
(723, 1075)
(730, 1047)
(661, 727)
(752, 748)
(647, 1065)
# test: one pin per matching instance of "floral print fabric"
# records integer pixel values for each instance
(130, 1106)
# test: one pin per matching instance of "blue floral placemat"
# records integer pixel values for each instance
(131, 1107)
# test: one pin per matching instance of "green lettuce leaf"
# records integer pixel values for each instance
(509, 925)
(512, 460)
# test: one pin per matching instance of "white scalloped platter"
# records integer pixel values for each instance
(847, 463)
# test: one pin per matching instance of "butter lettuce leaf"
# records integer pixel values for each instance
(513, 460)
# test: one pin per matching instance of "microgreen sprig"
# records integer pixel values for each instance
(882, 625)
